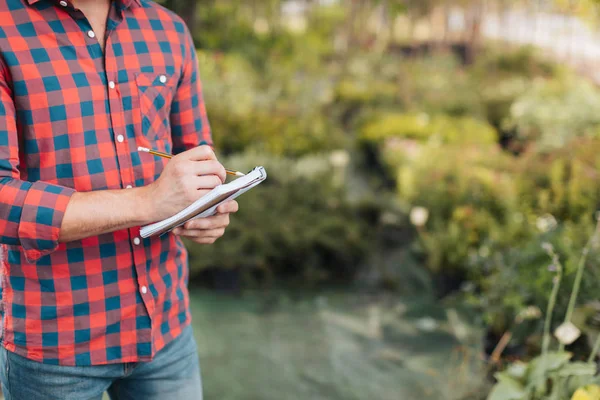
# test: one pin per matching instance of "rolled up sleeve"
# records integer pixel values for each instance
(31, 213)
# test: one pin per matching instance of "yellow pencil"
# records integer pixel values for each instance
(165, 155)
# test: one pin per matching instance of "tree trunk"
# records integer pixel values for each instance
(188, 11)
(476, 21)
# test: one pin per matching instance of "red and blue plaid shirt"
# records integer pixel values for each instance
(71, 119)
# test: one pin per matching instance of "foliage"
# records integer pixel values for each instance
(524, 62)
(468, 196)
(442, 129)
(283, 116)
(296, 224)
(429, 127)
(553, 375)
(554, 112)
(501, 76)
(490, 212)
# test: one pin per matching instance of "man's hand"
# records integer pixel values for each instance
(208, 230)
(187, 177)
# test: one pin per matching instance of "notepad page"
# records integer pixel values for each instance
(208, 203)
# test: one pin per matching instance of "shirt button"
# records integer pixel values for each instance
(111, 85)
(163, 79)
(129, 187)
(91, 34)
(64, 3)
(137, 241)
(144, 290)
(120, 138)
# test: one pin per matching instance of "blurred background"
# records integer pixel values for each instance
(428, 228)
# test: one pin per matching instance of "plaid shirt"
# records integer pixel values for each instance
(71, 119)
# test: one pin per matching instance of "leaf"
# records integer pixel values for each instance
(551, 362)
(541, 366)
(578, 368)
(517, 370)
(507, 388)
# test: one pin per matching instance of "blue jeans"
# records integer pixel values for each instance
(174, 373)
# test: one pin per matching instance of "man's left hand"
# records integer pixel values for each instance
(208, 230)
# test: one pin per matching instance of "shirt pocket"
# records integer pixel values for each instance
(155, 93)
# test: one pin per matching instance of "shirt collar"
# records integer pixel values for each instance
(126, 3)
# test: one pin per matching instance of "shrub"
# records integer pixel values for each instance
(554, 112)
(489, 213)
(469, 195)
(297, 225)
(500, 77)
(280, 116)
(558, 194)
(553, 375)
(442, 129)
(439, 85)
(527, 62)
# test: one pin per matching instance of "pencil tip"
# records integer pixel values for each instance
(143, 149)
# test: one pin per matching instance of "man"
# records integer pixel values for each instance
(88, 305)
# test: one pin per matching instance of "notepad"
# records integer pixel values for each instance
(207, 205)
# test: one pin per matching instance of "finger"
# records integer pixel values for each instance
(199, 153)
(210, 167)
(215, 222)
(228, 208)
(206, 182)
(198, 234)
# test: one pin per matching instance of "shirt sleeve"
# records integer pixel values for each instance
(31, 213)
(189, 124)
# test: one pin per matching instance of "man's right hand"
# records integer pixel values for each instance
(186, 177)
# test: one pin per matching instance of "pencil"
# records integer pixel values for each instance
(165, 155)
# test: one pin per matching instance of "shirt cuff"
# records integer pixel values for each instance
(41, 219)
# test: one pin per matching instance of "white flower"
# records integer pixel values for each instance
(484, 252)
(546, 223)
(419, 216)
(567, 333)
(548, 247)
(427, 324)
(529, 313)
(339, 158)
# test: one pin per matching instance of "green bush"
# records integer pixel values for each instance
(489, 214)
(562, 183)
(282, 115)
(397, 138)
(439, 85)
(421, 127)
(526, 62)
(297, 225)
(558, 194)
(500, 76)
(554, 112)
(469, 194)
